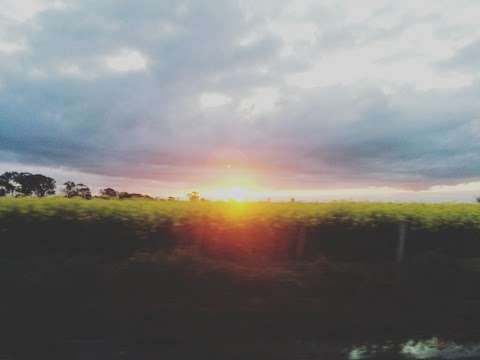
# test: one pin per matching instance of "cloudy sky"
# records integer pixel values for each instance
(376, 99)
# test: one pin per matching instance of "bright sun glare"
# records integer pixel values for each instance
(236, 193)
(233, 184)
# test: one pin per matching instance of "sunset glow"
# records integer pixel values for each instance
(236, 193)
(234, 184)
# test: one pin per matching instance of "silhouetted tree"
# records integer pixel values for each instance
(7, 182)
(43, 185)
(84, 191)
(25, 183)
(71, 190)
(3, 192)
(171, 198)
(109, 192)
(193, 196)
(478, 199)
(126, 195)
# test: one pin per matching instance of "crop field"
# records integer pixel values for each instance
(269, 230)
(148, 212)
(203, 271)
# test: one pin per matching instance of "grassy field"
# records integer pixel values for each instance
(149, 212)
(189, 274)
(360, 230)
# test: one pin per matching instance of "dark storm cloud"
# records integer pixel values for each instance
(62, 104)
(366, 137)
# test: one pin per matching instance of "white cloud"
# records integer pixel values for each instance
(209, 100)
(71, 69)
(10, 48)
(21, 10)
(262, 102)
(24, 10)
(127, 60)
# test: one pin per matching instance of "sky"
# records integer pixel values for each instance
(324, 99)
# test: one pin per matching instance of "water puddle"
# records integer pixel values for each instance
(311, 349)
(433, 348)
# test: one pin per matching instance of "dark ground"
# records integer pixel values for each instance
(180, 305)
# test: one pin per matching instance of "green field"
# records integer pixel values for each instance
(148, 212)
(336, 229)
(205, 271)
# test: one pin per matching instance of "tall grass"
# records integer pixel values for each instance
(236, 229)
(147, 212)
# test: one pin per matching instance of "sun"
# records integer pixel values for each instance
(233, 184)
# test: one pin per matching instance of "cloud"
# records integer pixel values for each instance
(213, 100)
(309, 94)
(466, 58)
(126, 60)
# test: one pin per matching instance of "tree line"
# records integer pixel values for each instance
(19, 184)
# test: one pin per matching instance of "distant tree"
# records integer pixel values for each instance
(126, 195)
(84, 191)
(3, 192)
(7, 182)
(193, 196)
(3, 187)
(43, 185)
(292, 199)
(29, 184)
(71, 190)
(123, 195)
(478, 199)
(109, 192)
(171, 198)
(25, 183)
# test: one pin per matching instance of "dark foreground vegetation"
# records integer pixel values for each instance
(176, 280)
